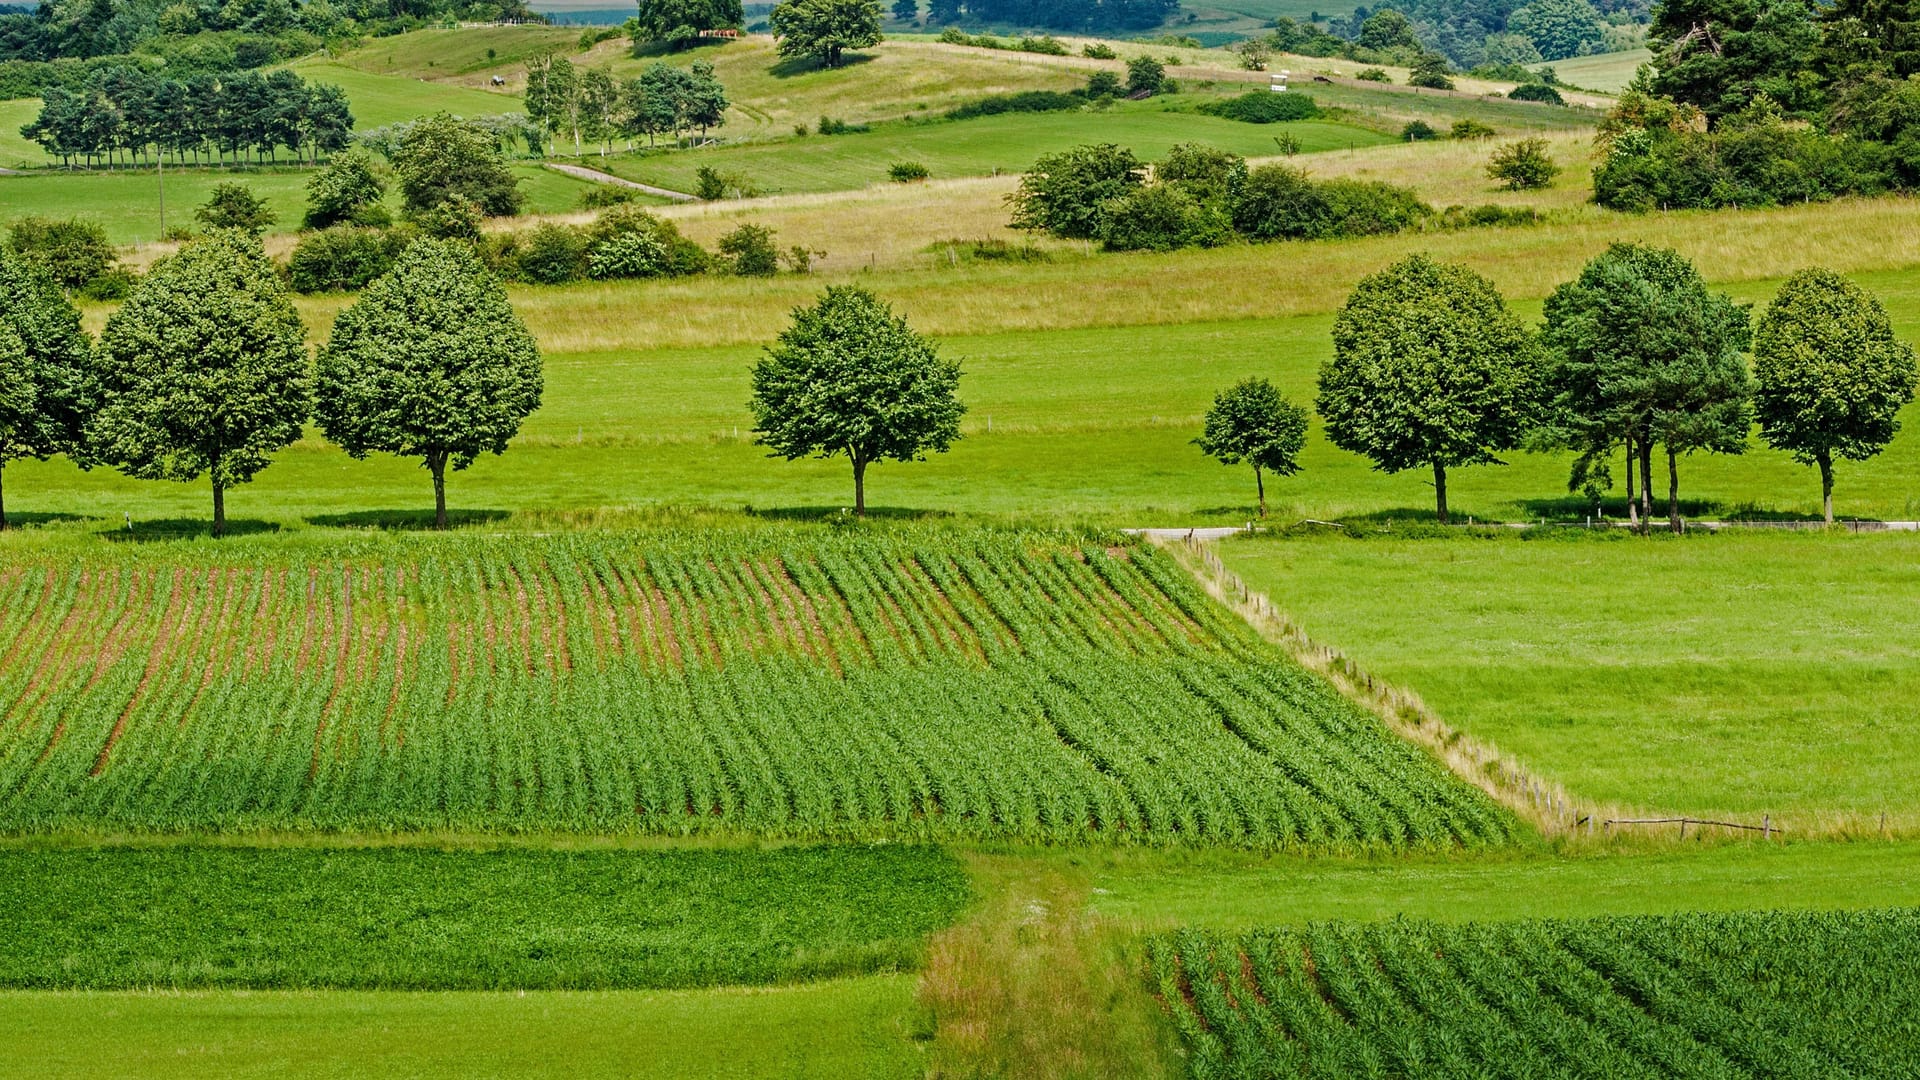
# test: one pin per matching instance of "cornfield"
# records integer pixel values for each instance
(1758, 994)
(934, 683)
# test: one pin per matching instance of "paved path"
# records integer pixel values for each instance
(11, 172)
(598, 177)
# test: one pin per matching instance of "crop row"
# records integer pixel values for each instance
(1758, 994)
(978, 684)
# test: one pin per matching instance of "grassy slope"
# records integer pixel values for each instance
(16, 150)
(1608, 72)
(858, 1027)
(1734, 674)
(420, 919)
(380, 99)
(997, 144)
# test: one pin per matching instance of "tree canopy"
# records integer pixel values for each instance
(1251, 422)
(203, 371)
(849, 377)
(349, 188)
(680, 21)
(46, 369)
(1643, 354)
(1068, 193)
(1832, 378)
(823, 29)
(1429, 369)
(430, 362)
(442, 159)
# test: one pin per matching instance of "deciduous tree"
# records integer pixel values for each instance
(1832, 377)
(1431, 370)
(432, 363)
(443, 159)
(203, 371)
(823, 29)
(46, 369)
(849, 377)
(1252, 422)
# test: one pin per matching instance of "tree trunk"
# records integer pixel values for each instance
(1633, 508)
(1646, 481)
(1261, 486)
(3, 497)
(859, 485)
(1826, 485)
(1440, 491)
(438, 464)
(1673, 490)
(219, 508)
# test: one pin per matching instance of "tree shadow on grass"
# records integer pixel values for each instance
(805, 65)
(162, 529)
(1565, 508)
(405, 520)
(835, 514)
(28, 519)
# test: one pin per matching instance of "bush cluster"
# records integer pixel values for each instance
(1263, 107)
(1045, 45)
(1027, 101)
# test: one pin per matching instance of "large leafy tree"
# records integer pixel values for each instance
(823, 29)
(849, 377)
(1560, 28)
(1429, 370)
(46, 369)
(431, 363)
(442, 159)
(1069, 193)
(680, 21)
(1832, 377)
(203, 371)
(1251, 422)
(1720, 55)
(1644, 356)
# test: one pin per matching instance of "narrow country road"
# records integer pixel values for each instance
(598, 177)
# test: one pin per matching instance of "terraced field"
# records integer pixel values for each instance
(943, 683)
(1731, 995)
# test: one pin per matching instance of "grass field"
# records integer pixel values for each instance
(1736, 674)
(1606, 72)
(941, 683)
(380, 99)
(995, 144)
(1755, 994)
(403, 918)
(820, 1031)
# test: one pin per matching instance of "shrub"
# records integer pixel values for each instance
(1371, 207)
(1471, 129)
(1206, 173)
(1418, 131)
(552, 255)
(799, 258)
(1465, 217)
(628, 255)
(830, 126)
(1287, 143)
(1146, 76)
(1047, 45)
(953, 35)
(349, 187)
(601, 196)
(752, 251)
(1066, 193)
(1536, 92)
(1097, 51)
(71, 252)
(683, 256)
(448, 221)
(1373, 74)
(907, 172)
(709, 184)
(342, 258)
(1523, 165)
(1263, 107)
(1431, 72)
(1164, 217)
(1104, 84)
(115, 284)
(1033, 101)
(1278, 202)
(235, 206)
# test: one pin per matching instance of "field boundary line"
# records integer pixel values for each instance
(1547, 806)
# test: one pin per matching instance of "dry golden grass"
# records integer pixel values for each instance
(1032, 986)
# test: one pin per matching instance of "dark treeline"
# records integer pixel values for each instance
(1086, 16)
(128, 114)
(79, 29)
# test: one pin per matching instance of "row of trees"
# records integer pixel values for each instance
(204, 370)
(1635, 357)
(131, 113)
(591, 106)
(1078, 16)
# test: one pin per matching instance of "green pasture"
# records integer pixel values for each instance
(127, 203)
(380, 99)
(1606, 72)
(829, 1030)
(16, 150)
(1737, 674)
(1008, 143)
(442, 54)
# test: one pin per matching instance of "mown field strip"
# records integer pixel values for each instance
(922, 684)
(1758, 994)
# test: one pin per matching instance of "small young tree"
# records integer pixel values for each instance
(46, 370)
(1145, 75)
(432, 363)
(1252, 422)
(1523, 165)
(1431, 72)
(348, 189)
(203, 370)
(1429, 369)
(1832, 377)
(823, 29)
(848, 377)
(751, 249)
(235, 206)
